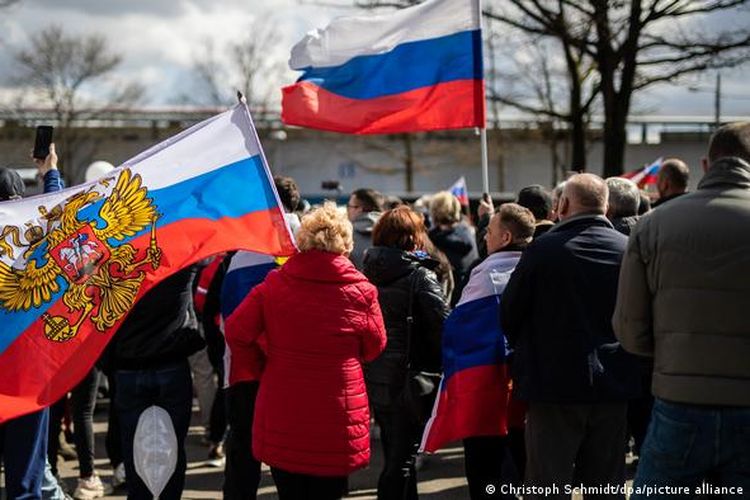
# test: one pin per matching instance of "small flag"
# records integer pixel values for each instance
(645, 176)
(414, 69)
(458, 189)
(73, 263)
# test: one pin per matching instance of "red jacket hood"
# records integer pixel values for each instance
(316, 265)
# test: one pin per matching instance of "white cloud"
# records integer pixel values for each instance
(160, 38)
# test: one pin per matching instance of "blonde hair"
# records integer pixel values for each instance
(327, 229)
(445, 208)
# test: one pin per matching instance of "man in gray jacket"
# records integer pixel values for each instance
(683, 296)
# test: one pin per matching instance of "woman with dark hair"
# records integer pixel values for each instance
(414, 308)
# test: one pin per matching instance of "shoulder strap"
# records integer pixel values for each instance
(410, 315)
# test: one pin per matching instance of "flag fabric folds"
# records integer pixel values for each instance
(646, 176)
(418, 68)
(73, 263)
(474, 392)
(458, 189)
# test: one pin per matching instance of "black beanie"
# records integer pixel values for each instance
(11, 184)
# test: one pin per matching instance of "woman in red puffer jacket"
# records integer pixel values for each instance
(317, 319)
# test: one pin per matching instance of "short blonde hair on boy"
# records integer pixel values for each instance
(445, 208)
(326, 229)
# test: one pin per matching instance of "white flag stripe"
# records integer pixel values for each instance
(351, 36)
(496, 269)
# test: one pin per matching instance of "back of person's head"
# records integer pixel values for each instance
(645, 205)
(556, 195)
(584, 194)
(11, 184)
(624, 197)
(537, 199)
(369, 200)
(674, 175)
(445, 208)
(731, 140)
(392, 202)
(288, 192)
(401, 228)
(519, 220)
(326, 229)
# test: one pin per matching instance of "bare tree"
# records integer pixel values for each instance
(634, 44)
(630, 44)
(245, 65)
(67, 73)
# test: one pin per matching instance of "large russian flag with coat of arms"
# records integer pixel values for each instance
(74, 262)
(418, 68)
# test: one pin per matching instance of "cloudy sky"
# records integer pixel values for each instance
(160, 39)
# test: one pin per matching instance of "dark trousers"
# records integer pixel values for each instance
(169, 387)
(571, 444)
(688, 444)
(484, 459)
(23, 448)
(112, 440)
(242, 471)
(291, 486)
(400, 439)
(56, 415)
(84, 401)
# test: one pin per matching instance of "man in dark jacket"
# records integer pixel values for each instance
(539, 201)
(683, 299)
(674, 175)
(363, 210)
(556, 312)
(148, 354)
(624, 200)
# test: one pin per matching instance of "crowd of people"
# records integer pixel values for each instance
(623, 316)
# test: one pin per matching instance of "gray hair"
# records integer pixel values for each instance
(624, 197)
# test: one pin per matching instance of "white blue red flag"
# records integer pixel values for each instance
(418, 68)
(473, 397)
(458, 189)
(73, 263)
(645, 176)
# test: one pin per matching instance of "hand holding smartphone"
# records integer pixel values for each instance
(42, 142)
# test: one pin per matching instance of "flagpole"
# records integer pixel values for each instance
(485, 167)
(483, 130)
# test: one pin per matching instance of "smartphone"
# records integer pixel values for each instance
(42, 141)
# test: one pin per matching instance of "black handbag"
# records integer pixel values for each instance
(420, 387)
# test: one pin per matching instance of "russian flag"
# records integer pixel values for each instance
(74, 262)
(458, 189)
(474, 393)
(415, 69)
(645, 176)
(246, 270)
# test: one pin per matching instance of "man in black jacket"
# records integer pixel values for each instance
(556, 313)
(149, 357)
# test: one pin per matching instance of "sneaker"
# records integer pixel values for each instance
(89, 488)
(216, 457)
(118, 476)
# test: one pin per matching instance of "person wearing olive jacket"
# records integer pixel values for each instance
(403, 273)
(682, 299)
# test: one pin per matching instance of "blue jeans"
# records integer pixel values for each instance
(24, 453)
(169, 387)
(688, 444)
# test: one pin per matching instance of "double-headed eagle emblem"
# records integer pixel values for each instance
(79, 250)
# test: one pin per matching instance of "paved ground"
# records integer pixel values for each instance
(441, 477)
